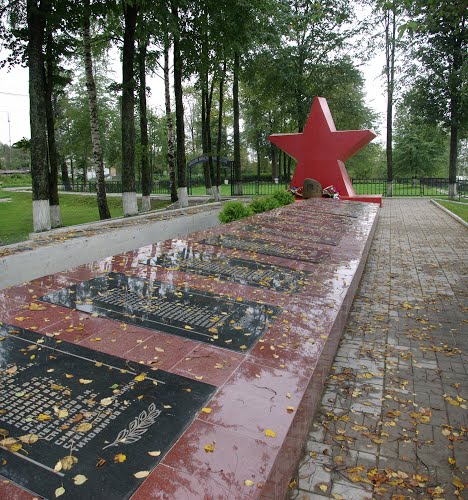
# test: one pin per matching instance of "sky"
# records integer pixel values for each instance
(14, 100)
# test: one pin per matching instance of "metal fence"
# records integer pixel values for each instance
(161, 186)
(424, 186)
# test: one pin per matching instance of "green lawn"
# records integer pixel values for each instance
(16, 217)
(15, 180)
(458, 209)
(446, 198)
(248, 189)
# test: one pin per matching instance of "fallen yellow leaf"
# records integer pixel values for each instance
(42, 417)
(79, 479)
(119, 458)
(59, 492)
(270, 433)
(209, 448)
(141, 474)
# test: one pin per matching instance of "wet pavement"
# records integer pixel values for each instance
(392, 423)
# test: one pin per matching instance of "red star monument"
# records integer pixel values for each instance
(321, 150)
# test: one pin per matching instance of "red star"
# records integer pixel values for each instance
(321, 150)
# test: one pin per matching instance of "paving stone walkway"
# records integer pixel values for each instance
(393, 418)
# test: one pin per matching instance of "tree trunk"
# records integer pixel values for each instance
(39, 167)
(209, 142)
(129, 197)
(179, 105)
(169, 124)
(390, 32)
(235, 103)
(453, 155)
(455, 100)
(220, 134)
(259, 161)
(274, 163)
(146, 180)
(72, 169)
(206, 166)
(98, 163)
(54, 206)
(65, 176)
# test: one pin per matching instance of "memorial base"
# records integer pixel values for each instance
(198, 362)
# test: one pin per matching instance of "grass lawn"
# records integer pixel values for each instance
(248, 189)
(15, 180)
(446, 198)
(16, 217)
(456, 208)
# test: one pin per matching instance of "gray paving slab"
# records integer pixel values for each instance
(393, 421)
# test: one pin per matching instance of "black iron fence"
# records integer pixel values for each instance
(424, 186)
(161, 186)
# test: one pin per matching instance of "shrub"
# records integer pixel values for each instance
(234, 210)
(259, 205)
(284, 197)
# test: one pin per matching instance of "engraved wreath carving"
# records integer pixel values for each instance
(137, 427)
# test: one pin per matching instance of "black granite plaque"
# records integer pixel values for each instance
(331, 209)
(266, 247)
(203, 316)
(308, 219)
(59, 400)
(245, 272)
(305, 235)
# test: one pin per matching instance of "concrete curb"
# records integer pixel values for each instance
(126, 221)
(56, 256)
(447, 211)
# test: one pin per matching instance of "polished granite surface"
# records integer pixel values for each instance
(268, 247)
(181, 311)
(243, 440)
(59, 400)
(243, 271)
(276, 230)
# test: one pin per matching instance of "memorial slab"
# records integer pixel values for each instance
(84, 421)
(273, 231)
(243, 271)
(185, 312)
(266, 247)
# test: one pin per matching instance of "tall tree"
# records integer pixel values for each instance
(146, 174)
(220, 133)
(169, 123)
(390, 22)
(235, 104)
(129, 197)
(37, 114)
(55, 219)
(179, 109)
(98, 162)
(441, 36)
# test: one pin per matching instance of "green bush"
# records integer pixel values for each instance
(234, 210)
(284, 197)
(265, 203)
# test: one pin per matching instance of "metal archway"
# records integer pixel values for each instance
(227, 165)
